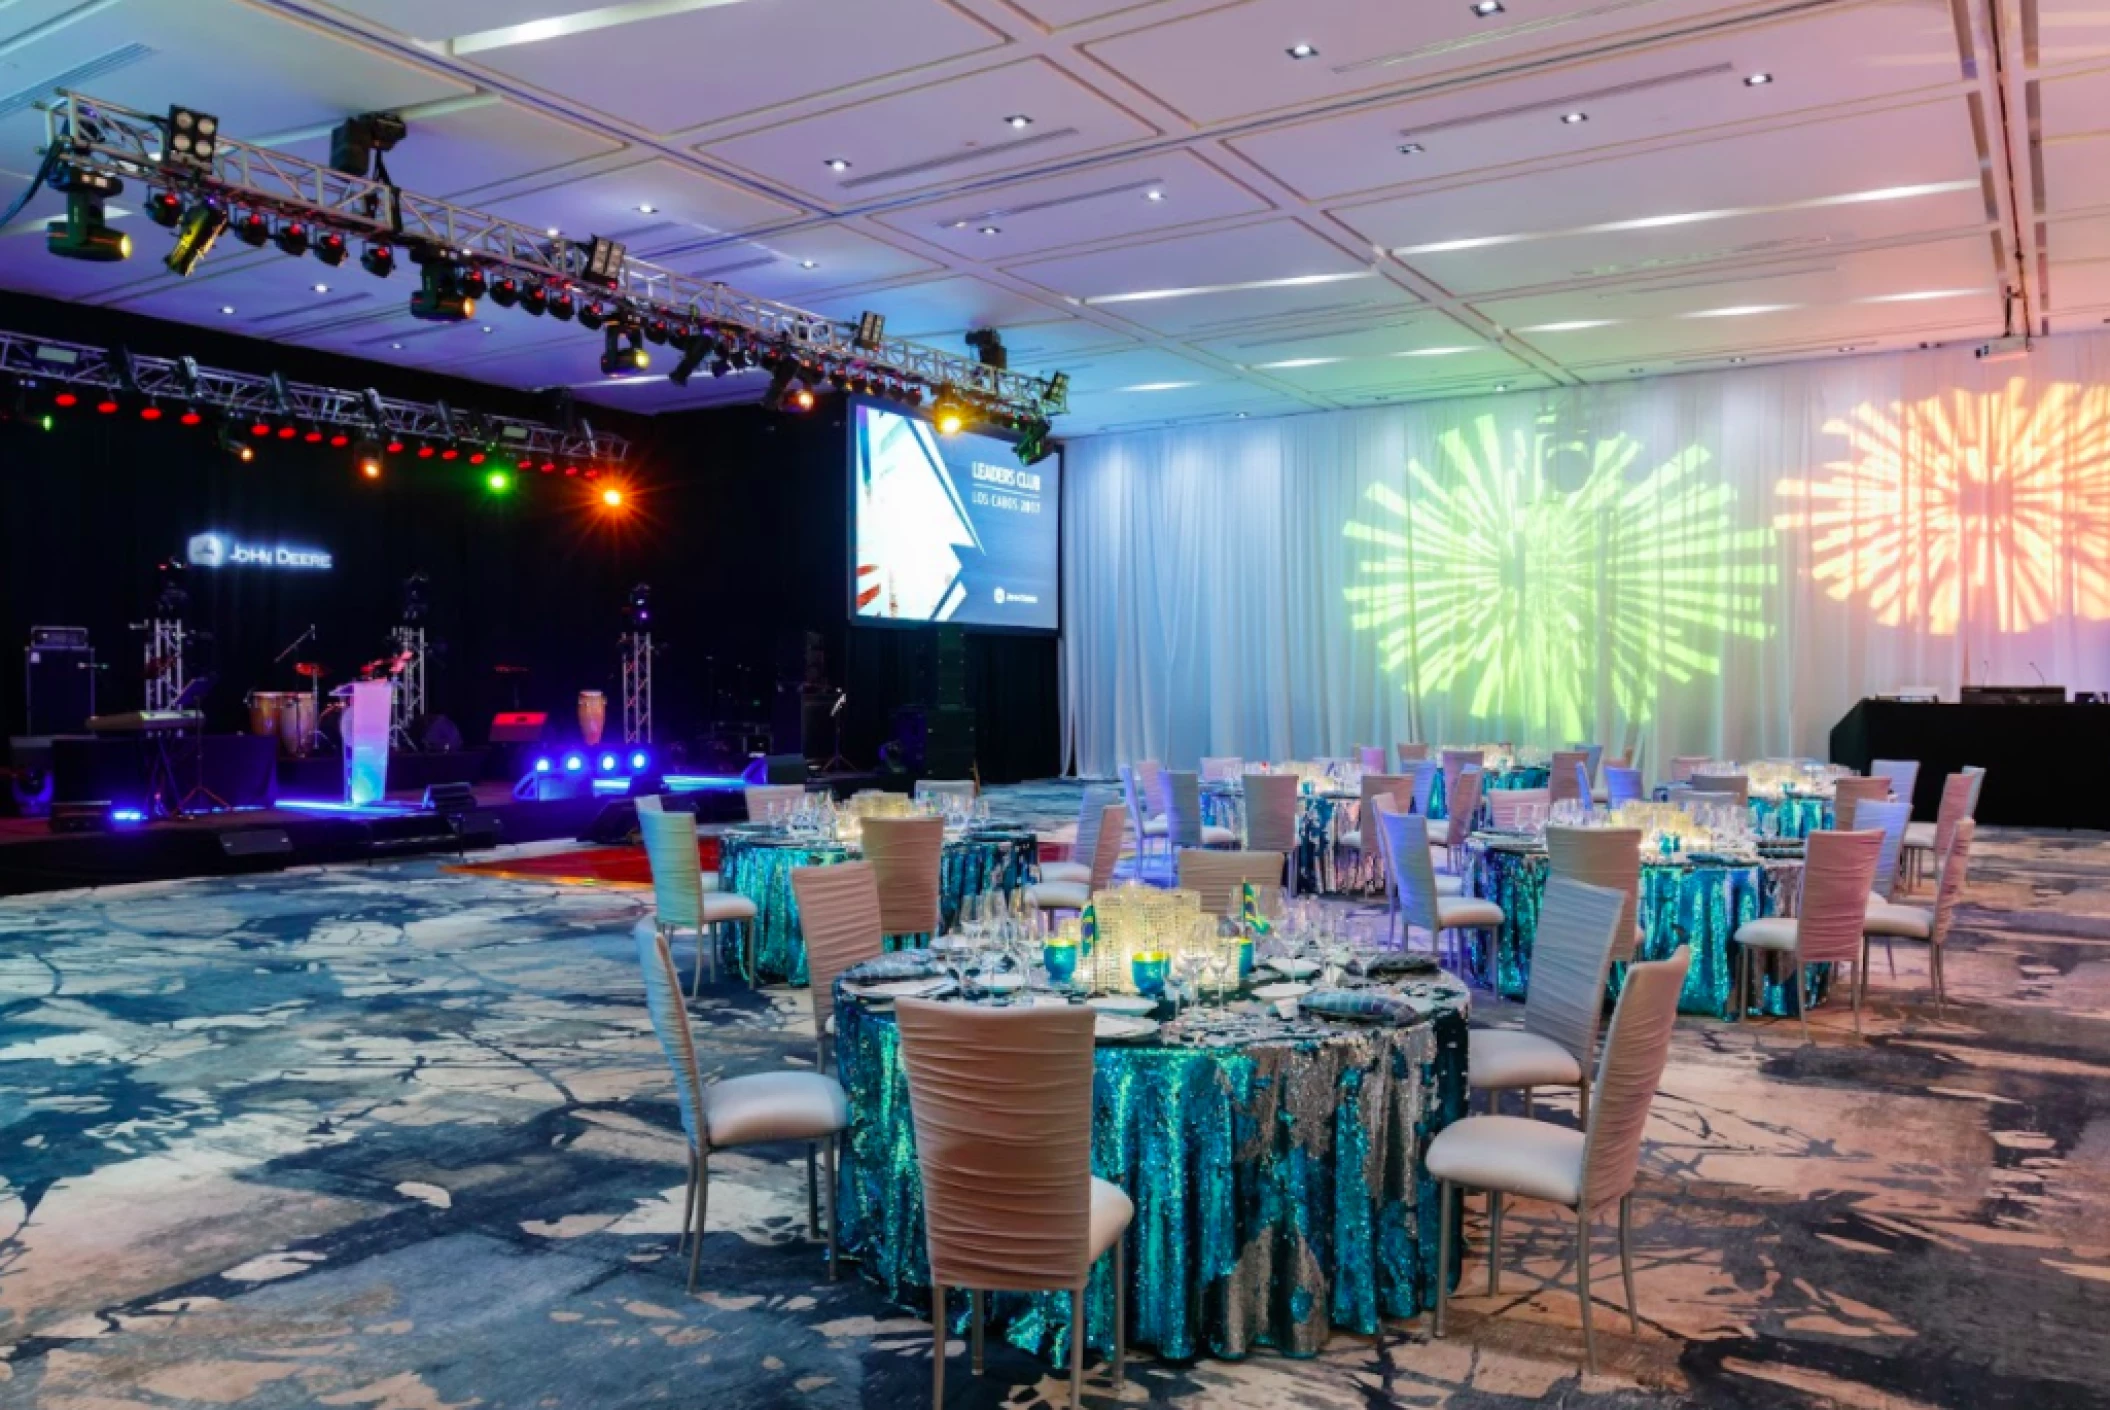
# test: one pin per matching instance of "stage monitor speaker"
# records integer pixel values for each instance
(251, 842)
(450, 799)
(785, 768)
(519, 726)
(476, 829)
(89, 816)
(60, 676)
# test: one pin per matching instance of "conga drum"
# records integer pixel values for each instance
(265, 707)
(593, 716)
(296, 725)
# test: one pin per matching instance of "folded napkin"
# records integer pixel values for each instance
(1393, 962)
(1364, 1005)
(903, 965)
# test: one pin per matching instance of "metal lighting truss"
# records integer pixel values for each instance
(637, 687)
(92, 135)
(180, 382)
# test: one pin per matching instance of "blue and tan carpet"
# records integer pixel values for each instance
(390, 1139)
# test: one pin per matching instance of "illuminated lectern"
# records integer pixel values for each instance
(366, 729)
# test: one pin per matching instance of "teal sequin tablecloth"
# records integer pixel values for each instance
(1324, 867)
(1280, 1180)
(1702, 903)
(757, 862)
(1792, 815)
(1520, 776)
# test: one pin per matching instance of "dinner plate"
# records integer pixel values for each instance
(901, 988)
(1295, 969)
(1272, 992)
(1132, 1005)
(1004, 983)
(1122, 1028)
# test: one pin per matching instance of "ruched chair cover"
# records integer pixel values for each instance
(1149, 826)
(1838, 870)
(1220, 878)
(1363, 836)
(1848, 794)
(1584, 1170)
(657, 803)
(839, 919)
(681, 899)
(1456, 762)
(1568, 778)
(1570, 957)
(1601, 856)
(1889, 817)
(1737, 786)
(767, 802)
(1424, 772)
(1593, 756)
(1463, 811)
(1001, 1100)
(1621, 785)
(1271, 816)
(1904, 775)
(1410, 753)
(1507, 806)
(961, 789)
(1183, 819)
(1046, 897)
(1084, 851)
(1422, 903)
(1221, 768)
(1683, 766)
(764, 1108)
(1370, 758)
(1150, 786)
(905, 855)
(1894, 922)
(1959, 800)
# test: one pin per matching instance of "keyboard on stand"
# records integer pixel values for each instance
(145, 721)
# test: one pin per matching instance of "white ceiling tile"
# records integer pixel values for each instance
(688, 208)
(940, 308)
(487, 141)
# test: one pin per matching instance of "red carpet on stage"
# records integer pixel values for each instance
(586, 866)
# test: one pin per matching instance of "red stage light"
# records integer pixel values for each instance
(287, 433)
(150, 413)
(395, 447)
(107, 406)
(260, 429)
(548, 469)
(191, 418)
(424, 452)
(340, 440)
(592, 474)
(571, 469)
(66, 399)
(612, 497)
(449, 453)
(476, 457)
(313, 438)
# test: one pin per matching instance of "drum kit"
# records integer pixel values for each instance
(299, 720)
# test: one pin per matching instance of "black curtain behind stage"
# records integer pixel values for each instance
(737, 518)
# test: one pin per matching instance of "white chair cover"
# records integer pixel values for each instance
(905, 853)
(1609, 857)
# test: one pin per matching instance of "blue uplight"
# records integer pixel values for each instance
(637, 760)
(542, 766)
(608, 763)
(573, 763)
(127, 815)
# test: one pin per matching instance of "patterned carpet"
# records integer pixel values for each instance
(390, 1139)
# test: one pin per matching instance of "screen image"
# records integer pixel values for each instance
(950, 528)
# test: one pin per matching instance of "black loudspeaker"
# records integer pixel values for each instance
(81, 817)
(61, 682)
(450, 799)
(948, 751)
(436, 734)
(476, 829)
(253, 842)
(785, 768)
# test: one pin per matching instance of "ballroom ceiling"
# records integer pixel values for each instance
(1197, 209)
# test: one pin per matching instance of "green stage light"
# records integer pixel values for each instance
(195, 234)
(499, 481)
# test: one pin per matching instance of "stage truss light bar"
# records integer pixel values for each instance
(244, 399)
(95, 135)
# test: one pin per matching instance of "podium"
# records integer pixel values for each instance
(366, 733)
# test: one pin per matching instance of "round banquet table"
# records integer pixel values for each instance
(756, 860)
(1324, 867)
(1794, 815)
(1515, 776)
(1278, 1172)
(1699, 901)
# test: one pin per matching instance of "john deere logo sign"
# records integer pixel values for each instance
(226, 551)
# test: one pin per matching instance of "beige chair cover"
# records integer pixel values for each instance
(904, 853)
(1888, 817)
(1456, 762)
(1106, 850)
(670, 1021)
(1954, 863)
(1408, 834)
(839, 918)
(1183, 812)
(1568, 778)
(1579, 926)
(1849, 793)
(1839, 870)
(1958, 793)
(1737, 786)
(1002, 1104)
(1370, 757)
(1411, 753)
(677, 870)
(1462, 808)
(1602, 856)
(1220, 877)
(1150, 784)
(767, 801)
(1271, 811)
(1904, 775)
(1593, 755)
(1683, 765)
(1506, 805)
(1634, 1055)
(1425, 772)
(649, 803)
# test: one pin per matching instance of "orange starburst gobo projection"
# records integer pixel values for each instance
(1989, 507)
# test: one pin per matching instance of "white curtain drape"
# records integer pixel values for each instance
(1718, 563)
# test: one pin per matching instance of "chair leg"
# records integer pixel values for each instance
(688, 1205)
(1582, 1100)
(1940, 980)
(834, 1207)
(1494, 1242)
(704, 934)
(1860, 984)
(1582, 1287)
(1120, 1313)
(974, 1330)
(1527, 1103)
(813, 1192)
(1802, 999)
(937, 1345)
(1443, 1250)
(1626, 1260)
(703, 1193)
(1077, 1347)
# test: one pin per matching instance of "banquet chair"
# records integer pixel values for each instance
(1893, 922)
(1621, 785)
(1570, 957)
(1603, 856)
(1593, 757)
(681, 900)
(655, 803)
(1147, 827)
(1959, 800)
(1563, 781)
(1273, 812)
(1456, 762)
(839, 919)
(1083, 852)
(1220, 878)
(1849, 793)
(1424, 773)
(963, 789)
(1737, 786)
(1150, 785)
(1462, 817)
(1411, 753)
(1064, 893)
(1220, 768)
(1904, 775)
(1002, 1105)
(1583, 1170)
(1506, 806)
(1183, 819)
(1446, 884)
(906, 854)
(1363, 836)
(1682, 766)
(1370, 758)
(763, 1108)
(1421, 903)
(1889, 817)
(1838, 870)
(766, 802)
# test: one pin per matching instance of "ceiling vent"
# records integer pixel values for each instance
(1570, 102)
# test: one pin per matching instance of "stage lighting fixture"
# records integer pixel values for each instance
(367, 456)
(253, 230)
(871, 329)
(612, 497)
(200, 227)
(608, 763)
(658, 332)
(542, 766)
(426, 452)
(108, 405)
(604, 262)
(83, 235)
(451, 453)
(165, 208)
(288, 432)
(331, 249)
(65, 401)
(637, 612)
(191, 417)
(574, 762)
(378, 260)
(534, 299)
(1033, 444)
(989, 349)
(947, 413)
(471, 281)
(693, 352)
(194, 138)
(355, 141)
(562, 306)
(1059, 389)
(801, 399)
(235, 446)
(506, 292)
(150, 412)
(779, 387)
(498, 482)
(292, 238)
(313, 436)
(438, 299)
(618, 360)
(476, 457)
(638, 760)
(592, 316)
(339, 440)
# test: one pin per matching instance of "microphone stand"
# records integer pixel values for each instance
(836, 762)
(315, 736)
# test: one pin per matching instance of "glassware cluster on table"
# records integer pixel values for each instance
(1787, 778)
(1668, 830)
(819, 817)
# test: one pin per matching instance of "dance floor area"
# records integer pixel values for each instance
(401, 1138)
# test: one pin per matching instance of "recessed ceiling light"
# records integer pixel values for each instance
(992, 230)
(395, 347)
(1242, 415)
(1848, 348)
(1298, 362)
(648, 209)
(809, 264)
(836, 164)
(1411, 149)
(1153, 194)
(322, 288)
(1740, 310)
(1736, 359)
(1573, 325)
(1018, 121)
(1301, 50)
(1501, 386)
(1573, 118)
(226, 308)
(1484, 8)
(553, 232)
(489, 329)
(1636, 370)
(1757, 80)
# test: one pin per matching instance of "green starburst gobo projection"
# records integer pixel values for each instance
(1533, 602)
